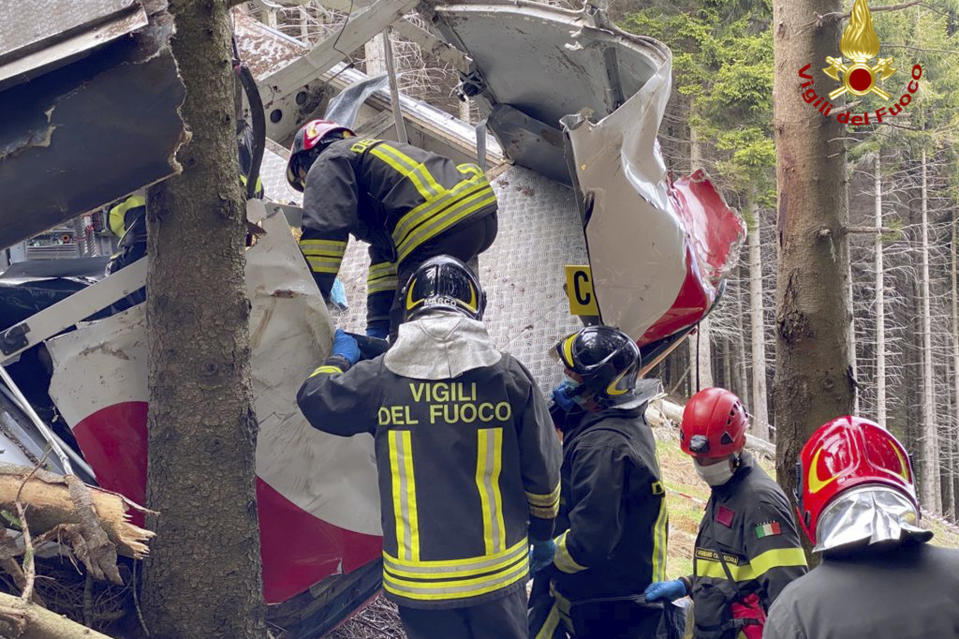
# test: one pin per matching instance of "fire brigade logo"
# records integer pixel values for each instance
(860, 76)
(860, 44)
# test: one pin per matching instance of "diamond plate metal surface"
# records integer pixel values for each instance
(28, 26)
(522, 273)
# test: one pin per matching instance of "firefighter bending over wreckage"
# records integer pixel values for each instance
(748, 548)
(612, 519)
(409, 204)
(467, 456)
(878, 579)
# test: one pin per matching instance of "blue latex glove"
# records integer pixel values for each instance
(541, 555)
(670, 590)
(345, 346)
(338, 294)
(562, 395)
(381, 332)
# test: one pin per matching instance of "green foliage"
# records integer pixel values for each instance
(723, 65)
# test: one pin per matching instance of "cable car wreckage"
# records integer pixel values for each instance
(574, 105)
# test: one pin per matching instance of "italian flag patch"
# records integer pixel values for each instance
(768, 529)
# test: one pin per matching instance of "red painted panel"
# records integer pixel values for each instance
(298, 549)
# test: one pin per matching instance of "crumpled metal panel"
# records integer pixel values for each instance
(317, 493)
(545, 63)
(658, 251)
(86, 134)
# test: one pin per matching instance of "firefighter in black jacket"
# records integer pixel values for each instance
(467, 455)
(748, 547)
(878, 579)
(407, 203)
(612, 522)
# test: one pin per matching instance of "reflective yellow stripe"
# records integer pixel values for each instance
(379, 286)
(441, 221)
(660, 543)
(456, 588)
(470, 168)
(778, 558)
(563, 560)
(489, 461)
(544, 513)
(550, 625)
(422, 212)
(409, 168)
(118, 213)
(381, 277)
(544, 500)
(448, 568)
(404, 495)
(326, 369)
(324, 264)
(382, 269)
(568, 350)
(332, 247)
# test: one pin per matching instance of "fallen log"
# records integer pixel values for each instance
(94, 522)
(22, 620)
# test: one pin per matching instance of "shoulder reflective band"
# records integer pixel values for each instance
(760, 565)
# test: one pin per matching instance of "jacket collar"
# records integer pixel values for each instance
(441, 346)
(630, 410)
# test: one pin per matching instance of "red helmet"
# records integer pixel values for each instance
(310, 137)
(844, 453)
(714, 424)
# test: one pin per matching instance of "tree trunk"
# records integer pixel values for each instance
(700, 352)
(813, 382)
(203, 579)
(742, 376)
(880, 303)
(760, 421)
(954, 461)
(929, 484)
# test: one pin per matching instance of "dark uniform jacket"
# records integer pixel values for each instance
(612, 519)
(905, 592)
(392, 195)
(468, 464)
(748, 521)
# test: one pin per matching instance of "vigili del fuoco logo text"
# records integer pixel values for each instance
(860, 76)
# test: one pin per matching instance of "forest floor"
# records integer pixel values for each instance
(686, 496)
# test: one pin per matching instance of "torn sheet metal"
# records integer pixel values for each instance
(317, 494)
(90, 132)
(535, 64)
(657, 251)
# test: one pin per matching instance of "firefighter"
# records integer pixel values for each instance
(878, 577)
(612, 521)
(467, 456)
(127, 218)
(748, 547)
(407, 203)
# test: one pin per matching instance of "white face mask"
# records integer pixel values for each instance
(715, 474)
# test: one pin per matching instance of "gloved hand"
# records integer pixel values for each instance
(338, 294)
(381, 332)
(345, 346)
(669, 590)
(562, 396)
(541, 555)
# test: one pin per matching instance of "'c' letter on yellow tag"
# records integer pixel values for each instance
(579, 290)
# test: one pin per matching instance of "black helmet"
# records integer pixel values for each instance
(604, 359)
(443, 282)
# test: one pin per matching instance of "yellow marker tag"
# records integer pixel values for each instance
(579, 290)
